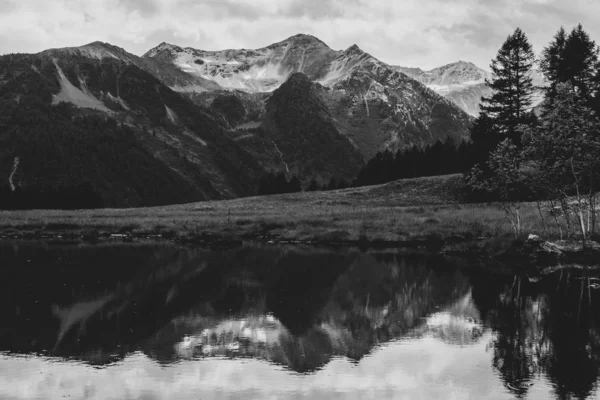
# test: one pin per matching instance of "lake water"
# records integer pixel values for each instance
(152, 321)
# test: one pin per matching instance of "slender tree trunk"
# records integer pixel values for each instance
(579, 205)
(592, 201)
(556, 220)
(566, 214)
(539, 208)
(518, 212)
(513, 218)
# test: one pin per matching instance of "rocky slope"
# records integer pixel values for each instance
(379, 108)
(461, 82)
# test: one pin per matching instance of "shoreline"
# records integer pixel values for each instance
(523, 256)
(427, 213)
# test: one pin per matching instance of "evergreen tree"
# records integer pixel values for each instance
(485, 136)
(581, 57)
(333, 185)
(294, 185)
(552, 62)
(344, 184)
(313, 186)
(571, 59)
(281, 183)
(511, 84)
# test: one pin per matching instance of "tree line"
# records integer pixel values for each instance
(279, 183)
(441, 158)
(438, 159)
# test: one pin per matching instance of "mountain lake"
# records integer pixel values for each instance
(153, 320)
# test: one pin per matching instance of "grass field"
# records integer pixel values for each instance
(398, 211)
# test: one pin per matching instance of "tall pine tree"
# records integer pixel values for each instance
(512, 86)
(571, 59)
(552, 62)
(581, 56)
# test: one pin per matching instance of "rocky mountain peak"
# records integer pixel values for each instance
(95, 50)
(297, 78)
(171, 48)
(302, 39)
(354, 49)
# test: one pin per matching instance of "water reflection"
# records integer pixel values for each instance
(546, 328)
(307, 322)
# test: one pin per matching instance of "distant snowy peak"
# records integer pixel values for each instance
(461, 82)
(458, 73)
(259, 70)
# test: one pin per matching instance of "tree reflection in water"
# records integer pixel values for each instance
(544, 328)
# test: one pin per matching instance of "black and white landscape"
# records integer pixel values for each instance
(299, 199)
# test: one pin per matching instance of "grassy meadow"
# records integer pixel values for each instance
(399, 211)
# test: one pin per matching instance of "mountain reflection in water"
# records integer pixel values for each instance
(158, 321)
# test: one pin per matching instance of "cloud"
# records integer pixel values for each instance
(318, 9)
(147, 8)
(409, 32)
(221, 9)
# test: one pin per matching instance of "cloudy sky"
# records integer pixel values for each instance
(424, 33)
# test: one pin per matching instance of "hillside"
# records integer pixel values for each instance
(303, 130)
(73, 119)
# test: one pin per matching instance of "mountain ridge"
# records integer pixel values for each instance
(374, 105)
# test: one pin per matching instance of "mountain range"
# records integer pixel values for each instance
(181, 124)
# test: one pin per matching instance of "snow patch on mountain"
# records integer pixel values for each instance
(195, 137)
(170, 115)
(71, 94)
(117, 100)
(252, 72)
